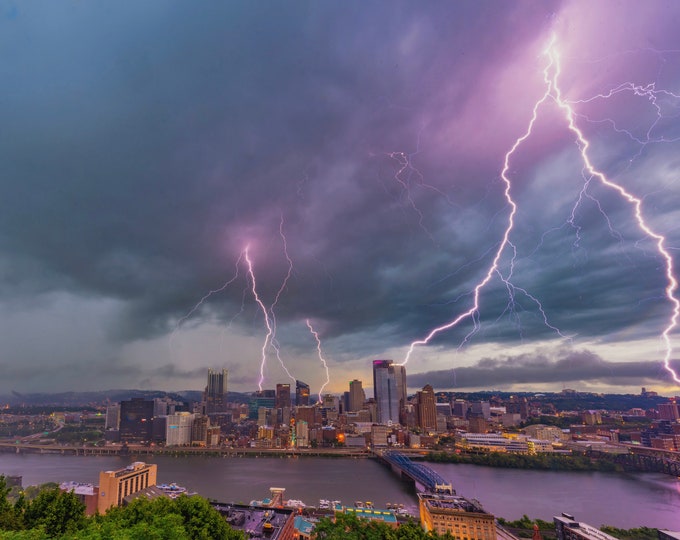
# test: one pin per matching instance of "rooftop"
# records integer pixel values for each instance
(257, 522)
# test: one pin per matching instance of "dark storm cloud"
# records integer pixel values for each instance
(564, 367)
(143, 146)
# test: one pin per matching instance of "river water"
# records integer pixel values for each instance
(622, 500)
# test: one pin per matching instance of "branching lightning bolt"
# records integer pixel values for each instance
(265, 313)
(660, 240)
(552, 92)
(284, 284)
(321, 358)
(205, 298)
(473, 311)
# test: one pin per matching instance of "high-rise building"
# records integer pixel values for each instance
(178, 429)
(216, 391)
(389, 388)
(357, 397)
(136, 420)
(282, 396)
(112, 416)
(427, 409)
(301, 393)
(114, 486)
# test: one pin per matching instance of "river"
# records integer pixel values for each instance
(622, 500)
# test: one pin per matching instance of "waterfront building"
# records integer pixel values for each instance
(455, 515)
(389, 388)
(114, 486)
(199, 430)
(88, 494)
(302, 434)
(567, 528)
(178, 429)
(301, 393)
(112, 416)
(356, 397)
(216, 391)
(136, 420)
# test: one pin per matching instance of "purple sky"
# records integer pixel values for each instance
(144, 146)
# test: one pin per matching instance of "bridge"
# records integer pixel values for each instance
(417, 473)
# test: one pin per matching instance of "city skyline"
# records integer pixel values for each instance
(217, 188)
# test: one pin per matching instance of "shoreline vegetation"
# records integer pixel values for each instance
(555, 462)
(551, 462)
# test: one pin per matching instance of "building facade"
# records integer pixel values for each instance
(389, 387)
(114, 486)
(301, 393)
(216, 391)
(136, 417)
(456, 516)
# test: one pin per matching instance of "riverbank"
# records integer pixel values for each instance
(623, 500)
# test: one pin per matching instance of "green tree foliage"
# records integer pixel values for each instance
(60, 516)
(55, 512)
(641, 533)
(553, 462)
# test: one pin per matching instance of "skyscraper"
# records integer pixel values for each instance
(301, 393)
(427, 409)
(282, 396)
(389, 388)
(356, 396)
(216, 391)
(135, 420)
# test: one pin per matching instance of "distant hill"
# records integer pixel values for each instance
(77, 399)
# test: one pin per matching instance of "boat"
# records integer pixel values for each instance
(172, 490)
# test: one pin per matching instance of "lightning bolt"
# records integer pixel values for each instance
(635, 202)
(284, 284)
(553, 93)
(473, 311)
(265, 313)
(321, 358)
(205, 298)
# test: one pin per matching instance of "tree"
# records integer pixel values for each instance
(55, 512)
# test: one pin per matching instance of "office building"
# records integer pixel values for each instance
(301, 393)
(357, 397)
(112, 416)
(199, 430)
(178, 429)
(455, 515)
(136, 420)
(283, 396)
(114, 486)
(261, 398)
(389, 387)
(427, 409)
(216, 391)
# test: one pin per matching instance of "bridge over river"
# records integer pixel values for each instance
(414, 472)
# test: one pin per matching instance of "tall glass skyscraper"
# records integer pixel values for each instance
(216, 391)
(389, 388)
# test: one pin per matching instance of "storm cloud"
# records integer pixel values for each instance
(143, 147)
